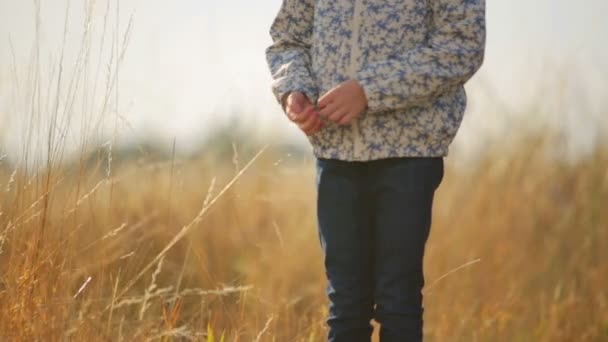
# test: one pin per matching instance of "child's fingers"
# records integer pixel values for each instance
(318, 125)
(301, 116)
(327, 98)
(346, 119)
(338, 115)
(297, 101)
(291, 116)
(313, 124)
(310, 122)
(329, 109)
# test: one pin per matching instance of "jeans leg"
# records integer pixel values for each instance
(344, 233)
(403, 193)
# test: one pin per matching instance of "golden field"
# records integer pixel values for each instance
(210, 249)
(223, 246)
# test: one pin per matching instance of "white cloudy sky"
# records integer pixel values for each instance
(190, 62)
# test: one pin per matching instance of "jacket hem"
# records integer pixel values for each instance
(318, 153)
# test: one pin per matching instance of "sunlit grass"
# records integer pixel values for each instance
(533, 230)
(223, 246)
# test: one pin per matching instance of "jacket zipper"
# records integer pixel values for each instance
(354, 54)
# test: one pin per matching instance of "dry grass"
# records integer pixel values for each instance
(75, 248)
(195, 250)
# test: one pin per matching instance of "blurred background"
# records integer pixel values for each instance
(152, 189)
(191, 66)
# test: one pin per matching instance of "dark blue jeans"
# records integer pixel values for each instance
(374, 219)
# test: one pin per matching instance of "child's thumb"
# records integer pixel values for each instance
(298, 103)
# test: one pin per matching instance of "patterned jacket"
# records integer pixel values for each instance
(412, 58)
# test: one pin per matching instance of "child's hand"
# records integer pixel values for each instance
(343, 103)
(303, 113)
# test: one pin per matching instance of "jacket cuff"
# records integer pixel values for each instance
(373, 92)
(283, 86)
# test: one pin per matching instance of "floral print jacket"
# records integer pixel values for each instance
(412, 58)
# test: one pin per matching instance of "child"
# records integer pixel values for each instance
(378, 88)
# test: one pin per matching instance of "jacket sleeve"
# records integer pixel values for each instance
(453, 52)
(288, 56)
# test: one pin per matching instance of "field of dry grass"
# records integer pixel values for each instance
(175, 250)
(226, 249)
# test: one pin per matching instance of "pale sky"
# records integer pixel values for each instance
(190, 62)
